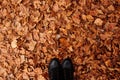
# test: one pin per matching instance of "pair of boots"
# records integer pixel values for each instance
(62, 71)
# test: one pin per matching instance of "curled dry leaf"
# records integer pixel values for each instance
(36, 34)
(56, 7)
(22, 58)
(70, 48)
(1, 37)
(32, 45)
(107, 35)
(4, 12)
(44, 49)
(108, 63)
(64, 31)
(31, 62)
(111, 8)
(25, 76)
(64, 42)
(98, 22)
(38, 71)
(99, 11)
(35, 17)
(58, 36)
(40, 77)
(110, 26)
(84, 17)
(90, 18)
(24, 11)
(2, 70)
(76, 17)
(14, 43)
(36, 4)
(16, 1)
(68, 26)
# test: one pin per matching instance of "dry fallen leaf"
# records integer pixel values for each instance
(99, 11)
(90, 18)
(68, 26)
(40, 77)
(63, 41)
(36, 4)
(2, 70)
(108, 63)
(56, 7)
(1, 37)
(58, 36)
(22, 58)
(42, 37)
(36, 34)
(25, 76)
(98, 22)
(111, 8)
(106, 36)
(84, 17)
(70, 48)
(14, 43)
(44, 49)
(76, 17)
(38, 71)
(32, 45)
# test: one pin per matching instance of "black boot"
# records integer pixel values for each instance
(68, 69)
(55, 70)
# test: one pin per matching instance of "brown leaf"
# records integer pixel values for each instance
(35, 34)
(22, 58)
(106, 36)
(1, 37)
(14, 43)
(108, 63)
(111, 8)
(98, 22)
(76, 17)
(90, 18)
(32, 45)
(25, 76)
(84, 17)
(38, 71)
(55, 7)
(68, 26)
(40, 77)
(64, 42)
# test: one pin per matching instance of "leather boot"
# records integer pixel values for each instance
(68, 69)
(55, 70)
